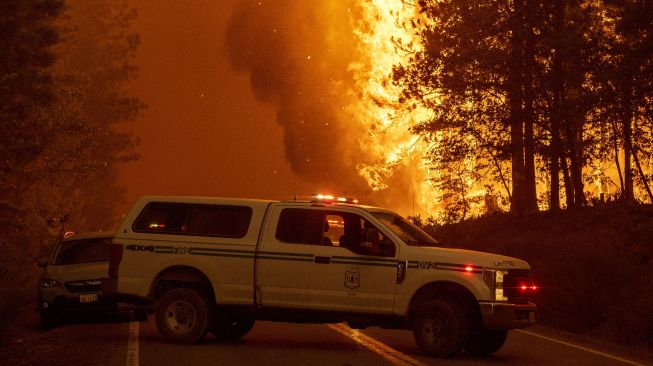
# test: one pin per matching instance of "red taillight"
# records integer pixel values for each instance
(527, 287)
(115, 259)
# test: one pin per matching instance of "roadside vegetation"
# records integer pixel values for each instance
(594, 265)
(63, 69)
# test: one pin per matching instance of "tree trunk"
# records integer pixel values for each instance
(555, 153)
(515, 100)
(530, 189)
(615, 144)
(628, 193)
(642, 175)
(569, 190)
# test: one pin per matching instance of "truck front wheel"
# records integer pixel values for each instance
(183, 316)
(485, 342)
(440, 328)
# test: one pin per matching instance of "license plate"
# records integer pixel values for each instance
(88, 298)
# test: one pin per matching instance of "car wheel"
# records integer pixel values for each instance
(183, 316)
(228, 327)
(485, 342)
(440, 328)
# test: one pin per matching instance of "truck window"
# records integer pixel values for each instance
(333, 228)
(408, 232)
(224, 221)
(190, 219)
(298, 226)
(163, 217)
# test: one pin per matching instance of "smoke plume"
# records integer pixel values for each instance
(297, 54)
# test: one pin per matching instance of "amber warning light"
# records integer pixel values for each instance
(329, 198)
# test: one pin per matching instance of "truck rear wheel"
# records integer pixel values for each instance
(229, 327)
(183, 316)
(440, 328)
(485, 342)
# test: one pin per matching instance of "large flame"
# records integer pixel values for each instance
(386, 40)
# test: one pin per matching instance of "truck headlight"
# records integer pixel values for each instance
(494, 281)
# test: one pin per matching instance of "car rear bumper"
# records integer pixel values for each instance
(498, 315)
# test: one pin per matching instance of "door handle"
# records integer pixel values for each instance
(323, 260)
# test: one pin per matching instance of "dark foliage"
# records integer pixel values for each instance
(594, 264)
(62, 75)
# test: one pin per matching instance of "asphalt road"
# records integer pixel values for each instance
(284, 344)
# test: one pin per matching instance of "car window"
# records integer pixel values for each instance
(83, 251)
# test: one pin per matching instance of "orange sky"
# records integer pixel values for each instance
(203, 132)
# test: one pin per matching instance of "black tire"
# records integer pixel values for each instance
(440, 328)
(229, 327)
(357, 325)
(485, 342)
(183, 316)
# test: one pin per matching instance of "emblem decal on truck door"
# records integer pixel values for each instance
(352, 279)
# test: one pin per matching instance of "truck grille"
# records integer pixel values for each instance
(513, 283)
(83, 286)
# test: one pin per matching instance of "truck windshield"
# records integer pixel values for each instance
(408, 232)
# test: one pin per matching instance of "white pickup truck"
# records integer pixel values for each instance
(218, 264)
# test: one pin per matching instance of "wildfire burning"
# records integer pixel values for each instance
(385, 41)
(327, 66)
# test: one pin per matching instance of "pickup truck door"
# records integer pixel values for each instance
(283, 263)
(347, 273)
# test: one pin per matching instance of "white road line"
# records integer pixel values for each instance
(385, 351)
(582, 348)
(132, 344)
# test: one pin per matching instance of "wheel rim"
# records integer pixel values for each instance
(180, 316)
(434, 329)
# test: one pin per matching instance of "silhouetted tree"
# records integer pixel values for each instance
(477, 73)
(27, 34)
(626, 83)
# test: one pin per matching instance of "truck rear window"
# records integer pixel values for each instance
(194, 219)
